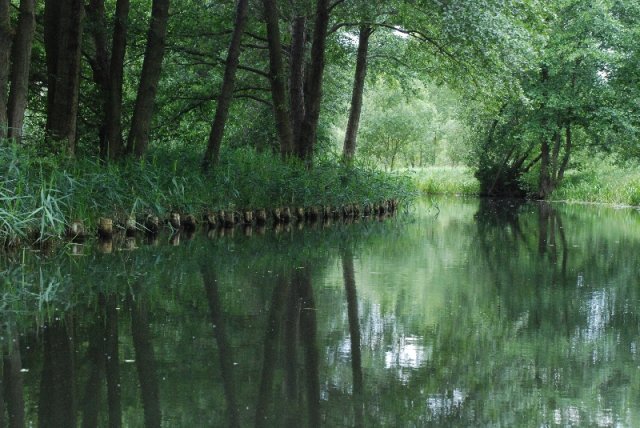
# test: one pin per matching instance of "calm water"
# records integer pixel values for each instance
(465, 313)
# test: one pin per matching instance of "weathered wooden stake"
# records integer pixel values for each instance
(286, 215)
(130, 226)
(189, 222)
(174, 220)
(105, 227)
(152, 224)
(261, 217)
(247, 217)
(76, 230)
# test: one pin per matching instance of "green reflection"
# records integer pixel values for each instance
(475, 313)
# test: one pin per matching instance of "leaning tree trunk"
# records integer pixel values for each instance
(20, 65)
(63, 41)
(151, 67)
(113, 113)
(313, 96)
(349, 149)
(5, 48)
(276, 72)
(212, 153)
(296, 76)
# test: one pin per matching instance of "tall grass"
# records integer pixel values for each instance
(453, 180)
(601, 179)
(40, 196)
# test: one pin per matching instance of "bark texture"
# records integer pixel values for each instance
(5, 49)
(138, 139)
(296, 76)
(313, 95)
(228, 83)
(276, 72)
(113, 113)
(63, 41)
(20, 65)
(108, 71)
(351, 134)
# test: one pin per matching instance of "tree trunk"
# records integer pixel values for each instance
(567, 152)
(6, 35)
(113, 114)
(544, 184)
(212, 153)
(555, 155)
(20, 65)
(296, 77)
(313, 96)
(276, 72)
(151, 67)
(97, 26)
(349, 149)
(63, 41)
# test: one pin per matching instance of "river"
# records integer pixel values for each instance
(462, 312)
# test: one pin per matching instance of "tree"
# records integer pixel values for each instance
(138, 139)
(226, 92)
(5, 47)
(108, 71)
(569, 91)
(276, 77)
(20, 66)
(63, 40)
(351, 133)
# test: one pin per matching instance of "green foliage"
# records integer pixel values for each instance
(410, 124)
(450, 180)
(601, 179)
(42, 195)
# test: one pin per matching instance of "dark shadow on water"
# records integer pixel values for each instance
(57, 404)
(210, 283)
(274, 323)
(145, 362)
(349, 277)
(13, 387)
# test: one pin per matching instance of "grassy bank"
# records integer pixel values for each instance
(452, 180)
(603, 181)
(41, 196)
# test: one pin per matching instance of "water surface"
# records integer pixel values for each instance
(464, 313)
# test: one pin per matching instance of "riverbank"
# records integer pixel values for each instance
(47, 197)
(600, 183)
(444, 180)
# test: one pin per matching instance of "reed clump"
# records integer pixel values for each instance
(42, 196)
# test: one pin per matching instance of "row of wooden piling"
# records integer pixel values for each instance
(151, 224)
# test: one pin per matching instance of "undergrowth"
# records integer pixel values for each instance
(40, 196)
(452, 180)
(601, 179)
